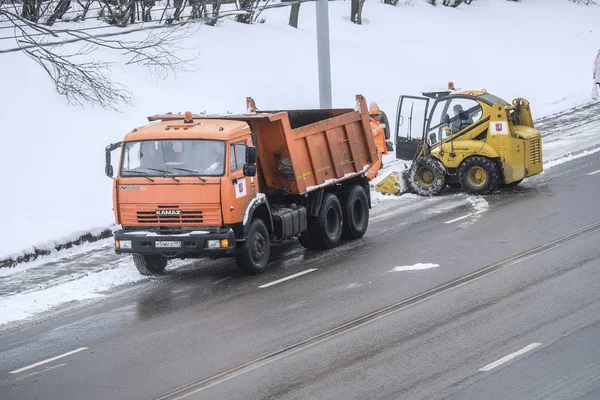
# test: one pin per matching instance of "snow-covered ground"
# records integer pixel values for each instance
(54, 172)
(53, 158)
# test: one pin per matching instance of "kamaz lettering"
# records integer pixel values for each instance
(168, 212)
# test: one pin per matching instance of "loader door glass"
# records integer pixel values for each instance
(462, 112)
(410, 125)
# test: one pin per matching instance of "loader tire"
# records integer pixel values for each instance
(478, 175)
(150, 265)
(427, 176)
(253, 256)
(326, 230)
(355, 209)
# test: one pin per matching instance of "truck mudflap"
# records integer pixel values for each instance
(196, 244)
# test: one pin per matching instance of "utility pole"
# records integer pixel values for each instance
(323, 53)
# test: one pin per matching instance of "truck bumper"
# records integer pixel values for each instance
(219, 243)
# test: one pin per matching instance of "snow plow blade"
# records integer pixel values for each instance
(393, 184)
(405, 182)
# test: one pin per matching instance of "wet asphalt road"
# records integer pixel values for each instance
(150, 339)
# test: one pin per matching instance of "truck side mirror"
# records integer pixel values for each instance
(108, 168)
(249, 170)
(250, 156)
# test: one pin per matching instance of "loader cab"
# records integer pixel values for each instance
(418, 121)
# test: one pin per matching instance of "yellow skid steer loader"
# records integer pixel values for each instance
(468, 139)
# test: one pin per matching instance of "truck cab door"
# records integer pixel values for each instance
(411, 120)
(238, 190)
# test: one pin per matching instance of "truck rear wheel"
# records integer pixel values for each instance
(306, 241)
(478, 175)
(150, 265)
(355, 207)
(253, 255)
(427, 176)
(326, 229)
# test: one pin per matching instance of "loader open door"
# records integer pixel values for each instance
(411, 120)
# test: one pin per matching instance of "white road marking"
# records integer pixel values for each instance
(287, 278)
(509, 357)
(458, 219)
(37, 372)
(222, 280)
(16, 371)
(594, 173)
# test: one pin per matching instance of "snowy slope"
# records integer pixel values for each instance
(53, 158)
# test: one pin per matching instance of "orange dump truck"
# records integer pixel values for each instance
(191, 186)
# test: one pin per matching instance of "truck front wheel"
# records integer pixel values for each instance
(253, 255)
(150, 265)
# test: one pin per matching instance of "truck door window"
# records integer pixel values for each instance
(132, 155)
(238, 156)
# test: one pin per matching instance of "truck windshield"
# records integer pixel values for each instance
(173, 157)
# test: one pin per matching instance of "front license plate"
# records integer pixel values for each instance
(167, 243)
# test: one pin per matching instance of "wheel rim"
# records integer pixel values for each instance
(426, 177)
(358, 214)
(332, 222)
(477, 176)
(259, 246)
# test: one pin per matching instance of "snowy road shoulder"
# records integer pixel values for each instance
(25, 305)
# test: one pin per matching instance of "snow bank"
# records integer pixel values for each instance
(24, 305)
(53, 161)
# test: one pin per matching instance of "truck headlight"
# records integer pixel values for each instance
(213, 244)
(123, 244)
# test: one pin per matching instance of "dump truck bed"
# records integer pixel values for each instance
(303, 150)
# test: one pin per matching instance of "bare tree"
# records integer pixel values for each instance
(294, 13)
(250, 7)
(356, 7)
(206, 9)
(59, 11)
(83, 81)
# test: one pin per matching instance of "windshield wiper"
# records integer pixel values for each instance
(193, 172)
(144, 174)
(165, 172)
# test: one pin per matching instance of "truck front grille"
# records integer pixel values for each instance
(535, 151)
(170, 215)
